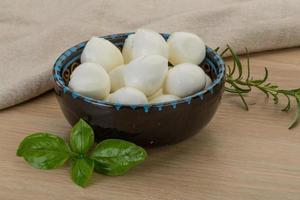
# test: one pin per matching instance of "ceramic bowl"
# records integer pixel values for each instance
(157, 124)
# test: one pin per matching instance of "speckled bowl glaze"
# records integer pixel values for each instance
(156, 124)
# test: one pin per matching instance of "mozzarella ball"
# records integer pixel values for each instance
(146, 73)
(186, 48)
(184, 80)
(90, 79)
(127, 50)
(102, 52)
(156, 94)
(128, 96)
(164, 98)
(147, 42)
(116, 78)
(208, 81)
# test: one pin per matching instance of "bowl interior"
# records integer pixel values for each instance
(69, 60)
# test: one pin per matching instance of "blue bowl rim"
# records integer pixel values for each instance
(58, 67)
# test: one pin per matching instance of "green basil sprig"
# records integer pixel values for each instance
(112, 157)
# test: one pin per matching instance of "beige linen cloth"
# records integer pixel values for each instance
(33, 33)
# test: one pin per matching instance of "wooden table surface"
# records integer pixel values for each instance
(239, 155)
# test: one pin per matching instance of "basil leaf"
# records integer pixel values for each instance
(82, 137)
(82, 171)
(44, 150)
(115, 157)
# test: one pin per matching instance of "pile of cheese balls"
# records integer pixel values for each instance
(140, 73)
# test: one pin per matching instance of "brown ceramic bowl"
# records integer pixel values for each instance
(156, 124)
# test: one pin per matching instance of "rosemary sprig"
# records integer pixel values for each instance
(241, 83)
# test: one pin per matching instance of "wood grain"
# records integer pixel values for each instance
(239, 155)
